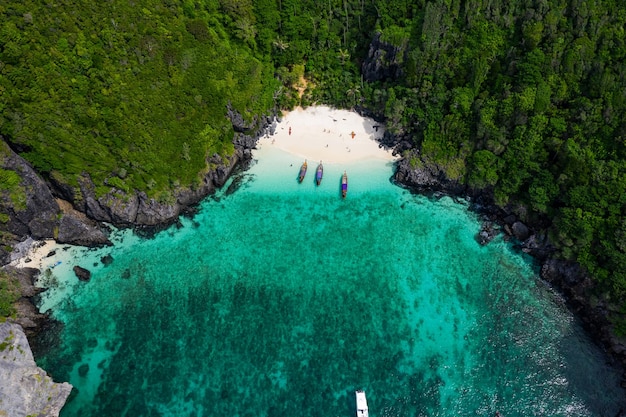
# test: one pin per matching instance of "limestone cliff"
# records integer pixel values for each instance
(28, 208)
(25, 389)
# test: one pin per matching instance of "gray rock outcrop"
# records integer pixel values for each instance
(25, 389)
(384, 60)
(520, 231)
(82, 273)
(29, 209)
(425, 177)
(77, 229)
(32, 211)
(136, 208)
(37, 214)
(28, 316)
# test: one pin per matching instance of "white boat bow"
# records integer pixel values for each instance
(361, 404)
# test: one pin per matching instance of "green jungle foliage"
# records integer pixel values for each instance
(526, 98)
(9, 294)
(11, 190)
(133, 94)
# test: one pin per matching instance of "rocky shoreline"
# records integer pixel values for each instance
(52, 210)
(566, 277)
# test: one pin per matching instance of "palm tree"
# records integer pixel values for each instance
(353, 93)
(280, 44)
(343, 55)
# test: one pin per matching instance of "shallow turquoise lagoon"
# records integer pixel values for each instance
(281, 299)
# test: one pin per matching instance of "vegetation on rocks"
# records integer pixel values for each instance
(524, 98)
(9, 294)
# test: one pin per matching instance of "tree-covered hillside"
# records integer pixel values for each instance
(134, 93)
(523, 98)
(527, 98)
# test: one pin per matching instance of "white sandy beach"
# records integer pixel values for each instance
(324, 134)
(36, 255)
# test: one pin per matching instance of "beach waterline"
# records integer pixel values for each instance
(283, 298)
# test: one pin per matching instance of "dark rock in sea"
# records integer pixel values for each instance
(488, 232)
(126, 274)
(520, 231)
(82, 273)
(83, 370)
(107, 260)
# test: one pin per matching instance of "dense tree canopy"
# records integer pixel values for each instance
(526, 98)
(117, 89)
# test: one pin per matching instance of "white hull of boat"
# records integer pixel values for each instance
(361, 404)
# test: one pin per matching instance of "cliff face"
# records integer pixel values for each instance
(384, 61)
(138, 209)
(25, 389)
(26, 203)
(55, 210)
(28, 209)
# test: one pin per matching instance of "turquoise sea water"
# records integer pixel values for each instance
(281, 299)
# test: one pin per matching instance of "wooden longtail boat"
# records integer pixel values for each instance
(319, 173)
(302, 171)
(344, 185)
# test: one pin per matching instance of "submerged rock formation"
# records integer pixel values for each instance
(25, 389)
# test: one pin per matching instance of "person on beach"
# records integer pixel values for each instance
(290, 130)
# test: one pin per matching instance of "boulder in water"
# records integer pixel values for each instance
(520, 231)
(107, 259)
(82, 273)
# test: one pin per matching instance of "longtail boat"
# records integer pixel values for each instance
(344, 185)
(319, 173)
(302, 172)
